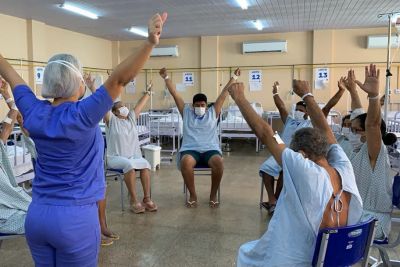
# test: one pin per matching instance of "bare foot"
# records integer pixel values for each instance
(110, 234)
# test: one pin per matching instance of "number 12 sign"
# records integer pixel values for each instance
(255, 76)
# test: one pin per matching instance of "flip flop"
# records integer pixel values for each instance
(112, 236)
(213, 204)
(271, 209)
(106, 241)
(150, 206)
(191, 204)
(137, 208)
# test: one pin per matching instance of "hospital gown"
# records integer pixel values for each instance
(292, 232)
(375, 187)
(14, 201)
(270, 166)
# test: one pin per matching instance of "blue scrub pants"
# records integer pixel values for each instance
(63, 235)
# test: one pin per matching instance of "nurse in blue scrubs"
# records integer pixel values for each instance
(62, 226)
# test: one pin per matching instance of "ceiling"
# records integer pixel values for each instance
(204, 17)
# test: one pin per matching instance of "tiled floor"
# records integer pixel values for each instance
(175, 235)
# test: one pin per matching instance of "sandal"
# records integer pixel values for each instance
(213, 204)
(106, 241)
(271, 209)
(112, 236)
(149, 206)
(137, 208)
(191, 204)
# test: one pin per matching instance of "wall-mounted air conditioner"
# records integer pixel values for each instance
(165, 51)
(265, 46)
(381, 41)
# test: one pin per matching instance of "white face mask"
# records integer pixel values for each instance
(298, 115)
(123, 111)
(355, 141)
(200, 111)
(346, 131)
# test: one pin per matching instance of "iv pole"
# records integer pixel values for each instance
(388, 63)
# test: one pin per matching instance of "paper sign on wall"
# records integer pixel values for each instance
(322, 74)
(255, 80)
(39, 75)
(188, 78)
(321, 78)
(131, 87)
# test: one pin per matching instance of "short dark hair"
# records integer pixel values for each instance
(301, 103)
(387, 138)
(114, 107)
(347, 117)
(311, 141)
(199, 98)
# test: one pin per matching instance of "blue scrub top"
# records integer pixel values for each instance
(70, 146)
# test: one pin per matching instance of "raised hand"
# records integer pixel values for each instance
(236, 90)
(275, 87)
(342, 84)
(237, 72)
(89, 80)
(301, 88)
(155, 27)
(163, 73)
(350, 81)
(3, 87)
(371, 82)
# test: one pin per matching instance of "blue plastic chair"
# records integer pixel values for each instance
(8, 236)
(344, 246)
(119, 173)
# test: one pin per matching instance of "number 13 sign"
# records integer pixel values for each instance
(322, 74)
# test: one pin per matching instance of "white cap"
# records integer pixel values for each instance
(355, 113)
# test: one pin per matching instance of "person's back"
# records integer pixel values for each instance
(69, 168)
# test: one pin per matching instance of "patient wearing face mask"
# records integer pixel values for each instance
(343, 137)
(369, 157)
(123, 152)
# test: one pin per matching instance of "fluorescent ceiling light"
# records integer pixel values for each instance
(243, 4)
(139, 31)
(79, 11)
(258, 24)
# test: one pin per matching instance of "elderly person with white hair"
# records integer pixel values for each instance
(319, 188)
(62, 225)
(14, 201)
(123, 151)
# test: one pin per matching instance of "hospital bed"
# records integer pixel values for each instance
(233, 124)
(166, 124)
(19, 157)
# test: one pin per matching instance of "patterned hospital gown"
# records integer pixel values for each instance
(375, 187)
(14, 201)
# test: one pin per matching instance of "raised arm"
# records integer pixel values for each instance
(9, 74)
(224, 93)
(262, 130)
(8, 122)
(373, 120)
(351, 86)
(279, 103)
(130, 67)
(303, 90)
(142, 102)
(172, 90)
(335, 99)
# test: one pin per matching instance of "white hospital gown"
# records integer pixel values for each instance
(375, 187)
(344, 143)
(14, 201)
(292, 232)
(123, 148)
(270, 166)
